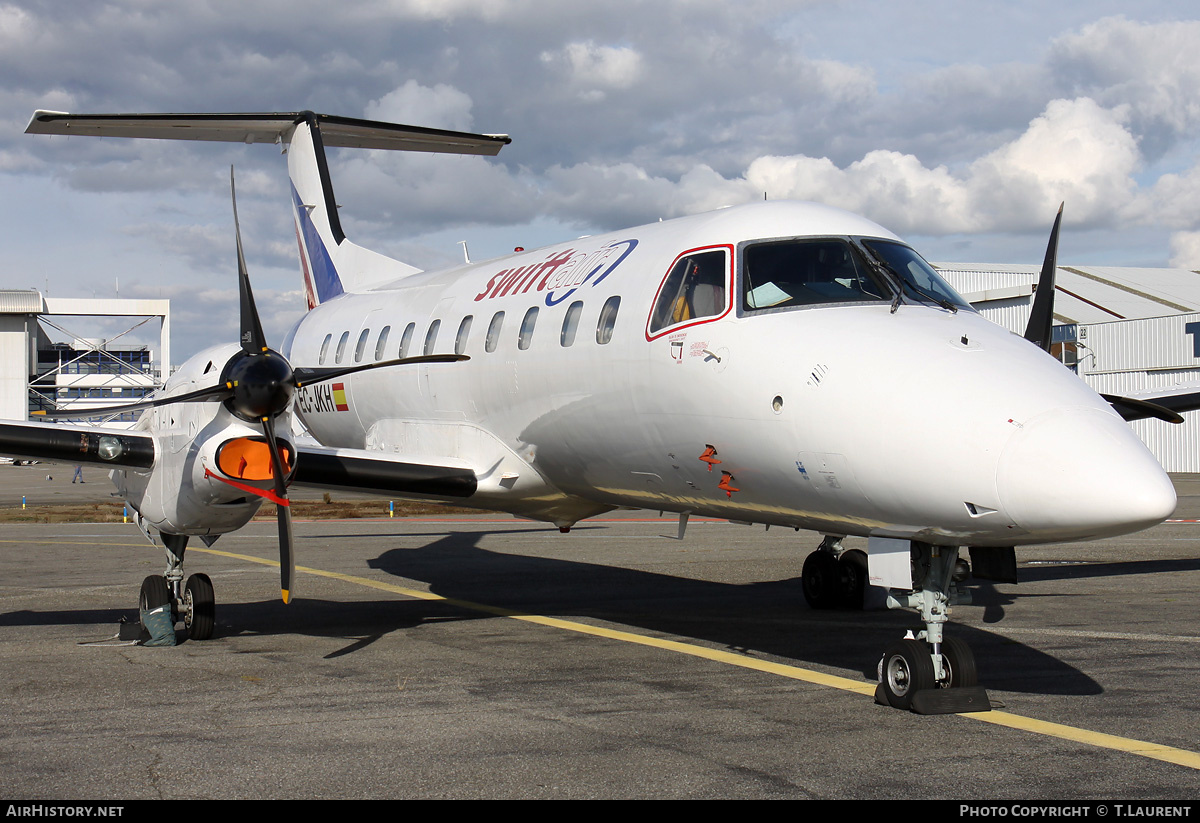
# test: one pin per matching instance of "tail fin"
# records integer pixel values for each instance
(330, 263)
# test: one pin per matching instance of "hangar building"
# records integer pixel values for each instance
(1122, 330)
(84, 368)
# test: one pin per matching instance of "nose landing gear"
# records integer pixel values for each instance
(931, 673)
(193, 603)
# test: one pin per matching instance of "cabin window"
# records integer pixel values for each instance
(381, 342)
(361, 346)
(570, 324)
(406, 339)
(464, 331)
(526, 336)
(608, 319)
(431, 336)
(694, 288)
(341, 347)
(807, 272)
(493, 332)
(324, 349)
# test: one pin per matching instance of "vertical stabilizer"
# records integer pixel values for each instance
(314, 209)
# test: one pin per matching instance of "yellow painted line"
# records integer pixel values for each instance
(717, 655)
(1181, 757)
(1169, 754)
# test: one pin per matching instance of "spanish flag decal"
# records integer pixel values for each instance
(339, 397)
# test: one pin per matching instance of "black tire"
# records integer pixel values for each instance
(960, 662)
(821, 579)
(155, 593)
(906, 669)
(853, 567)
(199, 607)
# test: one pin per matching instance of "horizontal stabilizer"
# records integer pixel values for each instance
(267, 128)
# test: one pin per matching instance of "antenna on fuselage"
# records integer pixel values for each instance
(466, 255)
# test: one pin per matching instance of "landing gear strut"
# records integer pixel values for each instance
(193, 603)
(931, 673)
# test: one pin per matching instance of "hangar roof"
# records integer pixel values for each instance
(1085, 294)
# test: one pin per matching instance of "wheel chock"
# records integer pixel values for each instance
(959, 700)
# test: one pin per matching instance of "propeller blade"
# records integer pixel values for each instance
(253, 340)
(1131, 409)
(1041, 319)
(283, 513)
(212, 393)
(306, 376)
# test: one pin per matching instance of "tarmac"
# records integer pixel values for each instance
(482, 656)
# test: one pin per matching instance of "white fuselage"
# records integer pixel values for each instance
(843, 418)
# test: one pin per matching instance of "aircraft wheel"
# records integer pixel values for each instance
(821, 579)
(199, 607)
(959, 661)
(853, 567)
(155, 593)
(906, 669)
(962, 570)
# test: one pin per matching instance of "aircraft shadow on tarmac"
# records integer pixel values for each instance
(768, 618)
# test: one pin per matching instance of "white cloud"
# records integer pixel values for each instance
(1185, 250)
(621, 113)
(442, 107)
(1151, 67)
(1074, 151)
(594, 70)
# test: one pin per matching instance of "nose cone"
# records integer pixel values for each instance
(1075, 474)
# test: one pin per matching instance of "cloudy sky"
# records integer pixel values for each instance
(958, 125)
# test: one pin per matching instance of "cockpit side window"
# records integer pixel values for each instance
(695, 289)
(918, 274)
(806, 272)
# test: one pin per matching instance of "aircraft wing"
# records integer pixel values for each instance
(76, 444)
(1143, 405)
(371, 471)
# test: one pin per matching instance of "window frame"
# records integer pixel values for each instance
(528, 326)
(851, 241)
(463, 334)
(381, 343)
(570, 324)
(728, 305)
(606, 331)
(495, 329)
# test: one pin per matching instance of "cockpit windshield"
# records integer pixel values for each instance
(918, 275)
(805, 272)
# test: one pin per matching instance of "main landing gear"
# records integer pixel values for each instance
(928, 673)
(834, 577)
(193, 603)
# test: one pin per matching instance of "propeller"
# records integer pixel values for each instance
(257, 385)
(1041, 322)
(262, 383)
(1041, 318)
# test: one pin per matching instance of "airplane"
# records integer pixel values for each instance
(780, 363)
